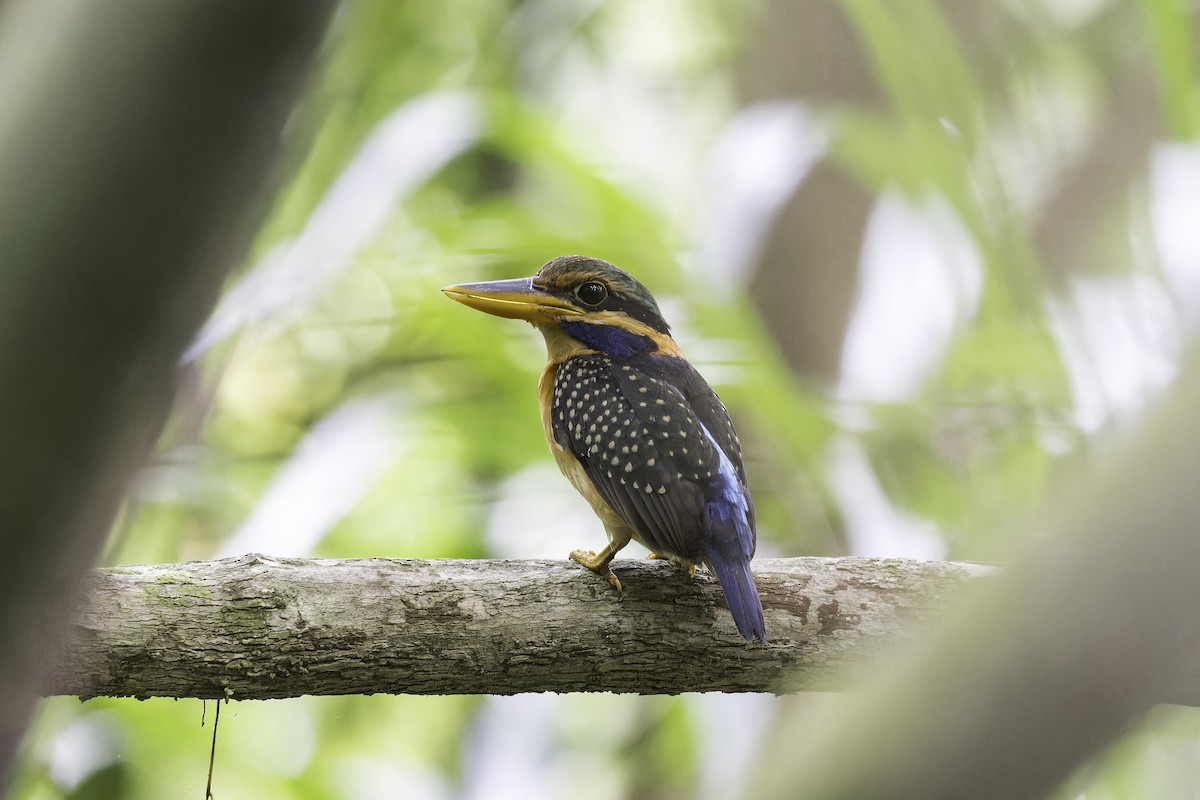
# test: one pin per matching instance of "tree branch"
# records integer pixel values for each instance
(255, 627)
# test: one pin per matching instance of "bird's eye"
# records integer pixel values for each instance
(592, 293)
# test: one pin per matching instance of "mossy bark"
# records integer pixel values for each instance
(256, 627)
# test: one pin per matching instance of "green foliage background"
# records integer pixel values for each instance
(590, 129)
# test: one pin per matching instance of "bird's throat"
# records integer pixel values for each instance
(608, 339)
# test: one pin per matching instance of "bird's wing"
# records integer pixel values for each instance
(728, 530)
(710, 412)
(643, 449)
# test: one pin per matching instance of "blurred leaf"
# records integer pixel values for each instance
(1171, 28)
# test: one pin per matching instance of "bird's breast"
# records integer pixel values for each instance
(568, 464)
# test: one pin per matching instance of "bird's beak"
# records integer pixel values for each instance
(515, 299)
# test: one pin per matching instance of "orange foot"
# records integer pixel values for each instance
(598, 563)
(691, 568)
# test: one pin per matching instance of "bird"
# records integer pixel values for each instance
(633, 425)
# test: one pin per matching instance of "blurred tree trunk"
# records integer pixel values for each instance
(135, 146)
(806, 279)
(1036, 670)
(1072, 234)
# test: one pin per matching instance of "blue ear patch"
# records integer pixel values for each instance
(608, 339)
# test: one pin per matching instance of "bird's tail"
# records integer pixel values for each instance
(733, 572)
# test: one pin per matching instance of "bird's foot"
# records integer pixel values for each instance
(598, 563)
(691, 568)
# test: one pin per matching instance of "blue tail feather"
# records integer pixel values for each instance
(740, 593)
(729, 538)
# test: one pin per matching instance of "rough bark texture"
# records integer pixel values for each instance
(255, 627)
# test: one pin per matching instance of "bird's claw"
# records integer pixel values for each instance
(598, 564)
(691, 568)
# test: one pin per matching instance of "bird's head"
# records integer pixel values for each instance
(590, 301)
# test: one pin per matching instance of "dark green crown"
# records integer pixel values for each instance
(564, 276)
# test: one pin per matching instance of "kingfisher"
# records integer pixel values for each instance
(633, 426)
